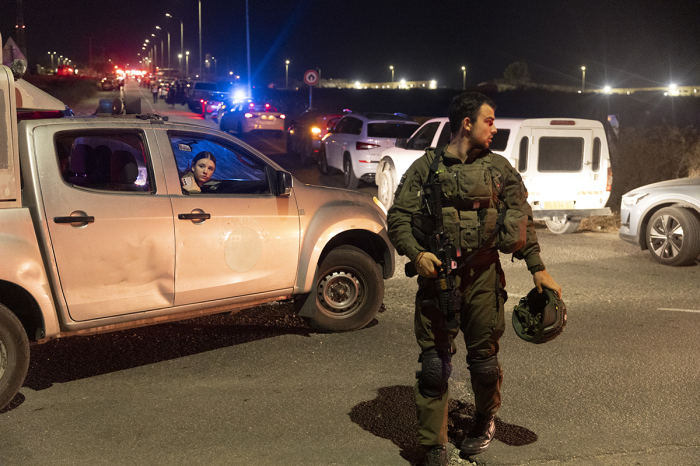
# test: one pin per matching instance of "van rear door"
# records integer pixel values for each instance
(560, 168)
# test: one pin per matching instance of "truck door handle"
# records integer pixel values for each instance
(81, 219)
(201, 216)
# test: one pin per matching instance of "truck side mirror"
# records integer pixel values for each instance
(401, 143)
(284, 183)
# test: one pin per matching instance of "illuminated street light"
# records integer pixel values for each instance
(187, 64)
(583, 78)
(464, 77)
(392, 72)
(403, 83)
(607, 89)
(179, 61)
(286, 74)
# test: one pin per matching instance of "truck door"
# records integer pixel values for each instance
(109, 223)
(559, 167)
(9, 180)
(233, 236)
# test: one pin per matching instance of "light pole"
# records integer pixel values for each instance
(179, 62)
(200, 37)
(464, 77)
(286, 74)
(187, 64)
(215, 71)
(583, 78)
(53, 54)
(168, 32)
(392, 73)
(182, 46)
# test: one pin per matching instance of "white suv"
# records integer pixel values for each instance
(564, 163)
(356, 144)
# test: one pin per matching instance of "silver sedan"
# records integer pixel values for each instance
(665, 219)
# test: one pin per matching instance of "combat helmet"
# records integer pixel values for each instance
(539, 317)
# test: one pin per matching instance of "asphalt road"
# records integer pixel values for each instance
(619, 387)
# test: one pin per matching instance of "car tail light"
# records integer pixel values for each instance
(608, 186)
(282, 116)
(248, 115)
(365, 145)
(39, 115)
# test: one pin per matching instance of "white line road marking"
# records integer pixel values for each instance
(679, 310)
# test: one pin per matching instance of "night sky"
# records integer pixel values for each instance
(621, 42)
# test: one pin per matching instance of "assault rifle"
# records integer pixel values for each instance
(439, 243)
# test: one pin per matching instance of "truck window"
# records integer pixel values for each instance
(423, 138)
(522, 156)
(236, 171)
(558, 154)
(105, 161)
(596, 155)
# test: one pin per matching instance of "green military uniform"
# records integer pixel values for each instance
(474, 192)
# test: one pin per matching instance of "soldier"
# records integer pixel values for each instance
(477, 187)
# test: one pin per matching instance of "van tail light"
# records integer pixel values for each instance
(365, 145)
(608, 186)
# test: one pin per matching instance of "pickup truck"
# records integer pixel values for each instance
(98, 234)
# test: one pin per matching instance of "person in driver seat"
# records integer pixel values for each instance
(203, 167)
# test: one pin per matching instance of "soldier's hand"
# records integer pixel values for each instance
(425, 264)
(544, 279)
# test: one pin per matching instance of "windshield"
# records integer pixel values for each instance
(391, 130)
(206, 86)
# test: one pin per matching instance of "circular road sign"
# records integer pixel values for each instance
(311, 77)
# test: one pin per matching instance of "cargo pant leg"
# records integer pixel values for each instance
(483, 324)
(431, 334)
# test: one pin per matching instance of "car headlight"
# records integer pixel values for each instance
(633, 199)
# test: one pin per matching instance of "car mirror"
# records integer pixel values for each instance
(284, 183)
(402, 143)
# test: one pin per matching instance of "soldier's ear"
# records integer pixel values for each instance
(467, 124)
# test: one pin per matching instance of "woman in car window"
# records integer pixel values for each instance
(203, 166)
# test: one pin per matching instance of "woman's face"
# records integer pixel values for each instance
(203, 170)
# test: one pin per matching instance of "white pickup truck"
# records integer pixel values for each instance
(564, 163)
(97, 233)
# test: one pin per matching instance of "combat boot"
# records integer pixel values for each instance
(480, 435)
(436, 455)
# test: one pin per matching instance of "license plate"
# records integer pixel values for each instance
(551, 205)
(267, 117)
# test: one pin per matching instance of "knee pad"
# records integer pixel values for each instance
(485, 372)
(434, 374)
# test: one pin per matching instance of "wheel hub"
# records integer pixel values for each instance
(667, 237)
(339, 291)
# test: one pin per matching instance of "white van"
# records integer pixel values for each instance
(564, 163)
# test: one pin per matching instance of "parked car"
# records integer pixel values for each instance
(305, 133)
(564, 164)
(197, 93)
(244, 117)
(108, 82)
(213, 103)
(665, 219)
(101, 230)
(355, 144)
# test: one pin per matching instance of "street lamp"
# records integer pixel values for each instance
(583, 78)
(179, 62)
(182, 46)
(464, 77)
(392, 73)
(187, 64)
(168, 32)
(215, 71)
(286, 74)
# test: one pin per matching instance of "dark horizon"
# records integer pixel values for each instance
(631, 43)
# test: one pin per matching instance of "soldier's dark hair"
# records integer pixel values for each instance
(203, 155)
(466, 105)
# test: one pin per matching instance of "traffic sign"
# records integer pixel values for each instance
(311, 77)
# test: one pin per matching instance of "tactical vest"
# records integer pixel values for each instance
(472, 196)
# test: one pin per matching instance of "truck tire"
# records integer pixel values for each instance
(562, 225)
(673, 236)
(14, 355)
(349, 290)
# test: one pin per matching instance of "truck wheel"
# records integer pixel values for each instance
(349, 178)
(385, 187)
(14, 355)
(673, 236)
(562, 225)
(349, 290)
